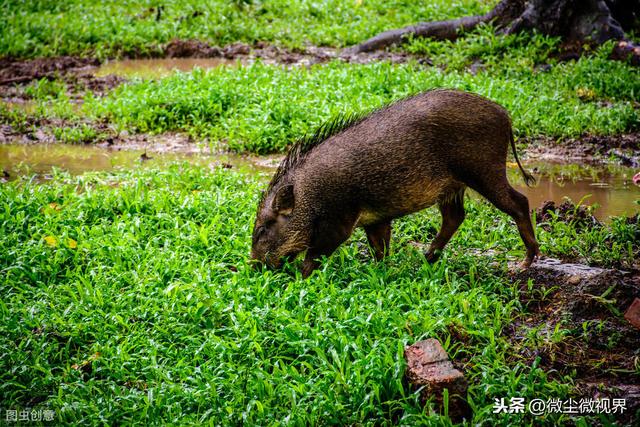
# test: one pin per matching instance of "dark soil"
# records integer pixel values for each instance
(40, 130)
(191, 49)
(23, 70)
(622, 149)
(76, 73)
(598, 347)
(579, 216)
(274, 54)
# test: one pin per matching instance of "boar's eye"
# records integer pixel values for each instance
(258, 233)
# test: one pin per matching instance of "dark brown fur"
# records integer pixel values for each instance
(420, 151)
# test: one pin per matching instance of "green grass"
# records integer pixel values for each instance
(134, 275)
(128, 298)
(262, 109)
(489, 50)
(114, 28)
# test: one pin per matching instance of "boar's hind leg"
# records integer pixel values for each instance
(516, 205)
(452, 211)
(379, 236)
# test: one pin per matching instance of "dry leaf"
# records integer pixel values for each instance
(51, 241)
(85, 366)
(585, 93)
(72, 243)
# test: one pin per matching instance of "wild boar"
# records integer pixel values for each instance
(366, 171)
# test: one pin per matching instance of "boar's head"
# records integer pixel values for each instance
(276, 235)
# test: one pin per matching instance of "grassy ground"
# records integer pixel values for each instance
(128, 299)
(113, 28)
(261, 108)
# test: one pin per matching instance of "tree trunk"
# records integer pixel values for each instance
(576, 21)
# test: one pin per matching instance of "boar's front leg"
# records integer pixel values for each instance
(329, 233)
(379, 237)
(452, 211)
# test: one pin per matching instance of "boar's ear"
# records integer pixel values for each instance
(283, 201)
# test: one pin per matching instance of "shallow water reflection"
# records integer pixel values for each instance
(608, 186)
(146, 68)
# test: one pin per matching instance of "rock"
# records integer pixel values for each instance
(633, 313)
(40, 135)
(236, 49)
(178, 48)
(429, 369)
(476, 67)
(574, 273)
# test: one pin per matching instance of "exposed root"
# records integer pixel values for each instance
(582, 21)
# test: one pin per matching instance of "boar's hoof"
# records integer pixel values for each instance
(526, 263)
(433, 255)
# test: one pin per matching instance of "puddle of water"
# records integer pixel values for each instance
(146, 68)
(608, 186)
(41, 159)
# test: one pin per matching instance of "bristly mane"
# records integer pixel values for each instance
(299, 150)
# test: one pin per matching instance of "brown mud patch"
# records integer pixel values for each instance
(272, 54)
(76, 73)
(15, 70)
(40, 130)
(622, 149)
(573, 326)
(579, 217)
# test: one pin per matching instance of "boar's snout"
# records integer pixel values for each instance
(266, 260)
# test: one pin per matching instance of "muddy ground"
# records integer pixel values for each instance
(621, 149)
(589, 149)
(595, 344)
(598, 343)
(79, 75)
(14, 70)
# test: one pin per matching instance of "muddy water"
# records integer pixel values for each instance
(154, 68)
(41, 160)
(609, 187)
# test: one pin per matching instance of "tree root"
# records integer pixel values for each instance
(582, 21)
(439, 30)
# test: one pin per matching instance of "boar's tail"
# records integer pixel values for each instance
(528, 178)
